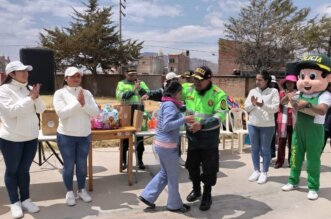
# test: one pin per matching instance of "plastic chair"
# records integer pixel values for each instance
(239, 126)
(226, 132)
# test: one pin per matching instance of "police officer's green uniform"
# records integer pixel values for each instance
(307, 137)
(127, 95)
(209, 107)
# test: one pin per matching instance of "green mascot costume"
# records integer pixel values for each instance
(311, 104)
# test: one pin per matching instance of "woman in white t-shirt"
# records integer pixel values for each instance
(261, 104)
(74, 106)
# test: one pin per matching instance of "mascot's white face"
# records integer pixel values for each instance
(311, 81)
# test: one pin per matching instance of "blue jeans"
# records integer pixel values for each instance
(74, 151)
(18, 157)
(168, 175)
(261, 138)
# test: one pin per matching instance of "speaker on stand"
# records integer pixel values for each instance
(291, 68)
(42, 61)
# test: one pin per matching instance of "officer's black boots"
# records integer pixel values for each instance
(141, 165)
(206, 200)
(195, 193)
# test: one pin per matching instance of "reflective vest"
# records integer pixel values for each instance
(212, 104)
(125, 86)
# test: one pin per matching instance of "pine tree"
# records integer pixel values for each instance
(91, 41)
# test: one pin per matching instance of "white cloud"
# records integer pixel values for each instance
(176, 40)
(139, 11)
(324, 10)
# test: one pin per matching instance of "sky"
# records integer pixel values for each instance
(170, 26)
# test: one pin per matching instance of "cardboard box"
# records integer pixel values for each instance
(124, 114)
(137, 119)
(49, 122)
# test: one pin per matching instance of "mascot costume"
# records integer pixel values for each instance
(311, 104)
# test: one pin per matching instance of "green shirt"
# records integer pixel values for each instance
(126, 94)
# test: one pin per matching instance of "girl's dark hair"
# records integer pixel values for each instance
(173, 88)
(266, 76)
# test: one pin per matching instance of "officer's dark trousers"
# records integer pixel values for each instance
(140, 146)
(209, 160)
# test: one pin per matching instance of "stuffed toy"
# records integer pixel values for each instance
(311, 104)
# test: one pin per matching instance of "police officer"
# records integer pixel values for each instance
(129, 91)
(187, 78)
(208, 103)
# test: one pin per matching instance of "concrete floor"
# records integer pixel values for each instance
(233, 196)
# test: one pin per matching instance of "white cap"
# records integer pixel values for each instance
(72, 71)
(273, 79)
(17, 66)
(171, 75)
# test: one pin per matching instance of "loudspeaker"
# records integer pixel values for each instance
(291, 68)
(42, 61)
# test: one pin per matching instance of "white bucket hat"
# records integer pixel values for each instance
(17, 66)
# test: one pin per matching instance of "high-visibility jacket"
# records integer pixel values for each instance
(209, 109)
(126, 94)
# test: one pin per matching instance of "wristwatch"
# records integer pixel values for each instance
(309, 105)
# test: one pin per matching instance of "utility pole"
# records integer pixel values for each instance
(121, 13)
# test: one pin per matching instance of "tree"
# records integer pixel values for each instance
(268, 32)
(91, 41)
(317, 35)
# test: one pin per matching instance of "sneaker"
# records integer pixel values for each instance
(255, 175)
(289, 187)
(262, 178)
(84, 196)
(312, 195)
(70, 198)
(16, 210)
(29, 206)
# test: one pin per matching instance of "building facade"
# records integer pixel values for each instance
(179, 63)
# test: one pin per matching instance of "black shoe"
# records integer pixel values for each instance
(205, 202)
(123, 166)
(183, 209)
(194, 195)
(278, 165)
(151, 205)
(141, 165)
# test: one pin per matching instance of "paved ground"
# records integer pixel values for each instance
(233, 196)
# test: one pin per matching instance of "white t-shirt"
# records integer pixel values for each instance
(324, 98)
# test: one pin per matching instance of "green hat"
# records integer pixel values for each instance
(319, 62)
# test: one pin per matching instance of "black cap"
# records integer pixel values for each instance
(202, 73)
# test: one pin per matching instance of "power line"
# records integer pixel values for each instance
(186, 42)
(194, 50)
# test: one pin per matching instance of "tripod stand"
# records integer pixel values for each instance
(41, 151)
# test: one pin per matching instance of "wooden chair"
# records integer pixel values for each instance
(239, 126)
(226, 132)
